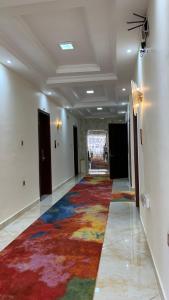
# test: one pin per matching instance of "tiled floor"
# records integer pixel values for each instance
(126, 270)
(121, 185)
(98, 171)
(11, 231)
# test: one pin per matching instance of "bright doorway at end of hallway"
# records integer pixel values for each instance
(97, 151)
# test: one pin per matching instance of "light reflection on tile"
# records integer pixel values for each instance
(126, 270)
(121, 185)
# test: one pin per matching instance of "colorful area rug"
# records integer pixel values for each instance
(99, 164)
(57, 257)
(123, 197)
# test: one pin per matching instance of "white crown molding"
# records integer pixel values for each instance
(102, 114)
(9, 3)
(81, 78)
(93, 104)
(35, 41)
(94, 99)
(22, 63)
(20, 55)
(115, 117)
(16, 54)
(78, 68)
(17, 8)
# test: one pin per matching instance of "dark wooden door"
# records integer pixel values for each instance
(136, 165)
(45, 176)
(75, 140)
(118, 151)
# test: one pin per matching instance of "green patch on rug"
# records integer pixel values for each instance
(80, 289)
(122, 200)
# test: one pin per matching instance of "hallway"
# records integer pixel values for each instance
(84, 105)
(125, 263)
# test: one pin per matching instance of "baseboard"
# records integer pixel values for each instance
(62, 183)
(19, 213)
(22, 211)
(159, 282)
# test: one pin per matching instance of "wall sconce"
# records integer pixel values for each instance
(58, 124)
(137, 96)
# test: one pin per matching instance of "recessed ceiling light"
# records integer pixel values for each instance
(66, 46)
(129, 50)
(89, 92)
(49, 93)
(123, 89)
(9, 62)
(123, 103)
(99, 108)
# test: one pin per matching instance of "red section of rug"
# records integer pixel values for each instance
(123, 196)
(99, 164)
(57, 257)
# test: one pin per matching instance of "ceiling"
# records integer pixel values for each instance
(117, 112)
(30, 31)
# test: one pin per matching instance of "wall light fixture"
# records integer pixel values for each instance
(137, 95)
(58, 124)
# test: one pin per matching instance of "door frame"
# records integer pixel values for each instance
(94, 131)
(75, 146)
(136, 160)
(50, 162)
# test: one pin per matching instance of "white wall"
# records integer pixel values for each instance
(153, 77)
(19, 121)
